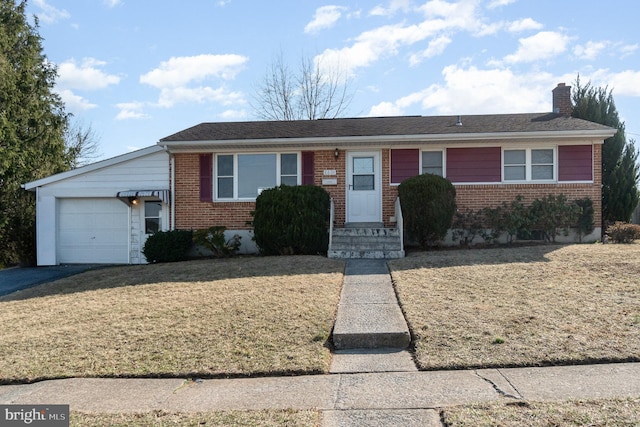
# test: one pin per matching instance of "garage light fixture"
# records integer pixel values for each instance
(336, 153)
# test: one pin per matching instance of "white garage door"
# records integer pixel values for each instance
(92, 231)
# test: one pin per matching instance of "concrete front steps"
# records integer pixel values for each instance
(372, 241)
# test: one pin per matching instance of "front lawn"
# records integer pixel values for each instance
(587, 413)
(218, 418)
(227, 317)
(522, 306)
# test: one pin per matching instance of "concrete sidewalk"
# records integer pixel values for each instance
(395, 398)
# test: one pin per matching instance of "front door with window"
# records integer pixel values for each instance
(364, 196)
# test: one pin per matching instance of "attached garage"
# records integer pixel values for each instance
(97, 214)
(92, 231)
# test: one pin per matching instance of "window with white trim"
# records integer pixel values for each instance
(152, 217)
(432, 162)
(244, 176)
(528, 164)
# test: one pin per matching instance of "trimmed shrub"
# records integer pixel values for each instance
(622, 232)
(168, 246)
(213, 239)
(466, 226)
(493, 225)
(516, 219)
(553, 215)
(585, 214)
(292, 220)
(428, 205)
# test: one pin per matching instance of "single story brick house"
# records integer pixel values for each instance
(215, 171)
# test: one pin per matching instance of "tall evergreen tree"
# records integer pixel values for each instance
(32, 125)
(620, 171)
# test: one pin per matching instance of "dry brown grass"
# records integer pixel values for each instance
(218, 418)
(591, 413)
(524, 306)
(239, 316)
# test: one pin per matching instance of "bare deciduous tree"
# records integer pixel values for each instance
(81, 145)
(313, 92)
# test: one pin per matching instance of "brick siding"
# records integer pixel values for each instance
(193, 214)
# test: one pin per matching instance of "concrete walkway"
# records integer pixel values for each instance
(370, 333)
(397, 398)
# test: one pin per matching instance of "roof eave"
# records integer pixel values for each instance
(31, 186)
(598, 136)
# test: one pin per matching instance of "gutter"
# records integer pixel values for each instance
(598, 135)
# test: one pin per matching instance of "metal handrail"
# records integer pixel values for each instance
(399, 222)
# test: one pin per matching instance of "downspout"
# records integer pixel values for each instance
(172, 166)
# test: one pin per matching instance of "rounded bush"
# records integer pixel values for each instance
(168, 246)
(428, 204)
(292, 220)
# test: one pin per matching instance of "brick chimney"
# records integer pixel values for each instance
(562, 100)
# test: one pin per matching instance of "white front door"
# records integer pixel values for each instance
(364, 195)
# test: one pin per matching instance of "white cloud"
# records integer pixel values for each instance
(590, 50)
(234, 115)
(50, 14)
(131, 110)
(436, 47)
(325, 17)
(624, 83)
(394, 6)
(524, 25)
(628, 49)
(499, 3)
(179, 71)
(176, 95)
(85, 76)
(477, 91)
(544, 45)
(440, 17)
(73, 102)
(112, 3)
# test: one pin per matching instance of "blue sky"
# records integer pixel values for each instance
(139, 70)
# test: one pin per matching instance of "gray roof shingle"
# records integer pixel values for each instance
(383, 126)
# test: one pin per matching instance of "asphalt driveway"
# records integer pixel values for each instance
(15, 279)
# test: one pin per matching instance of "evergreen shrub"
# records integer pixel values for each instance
(428, 204)
(292, 220)
(168, 246)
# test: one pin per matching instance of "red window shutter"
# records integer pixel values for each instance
(474, 164)
(307, 168)
(405, 163)
(575, 163)
(206, 177)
